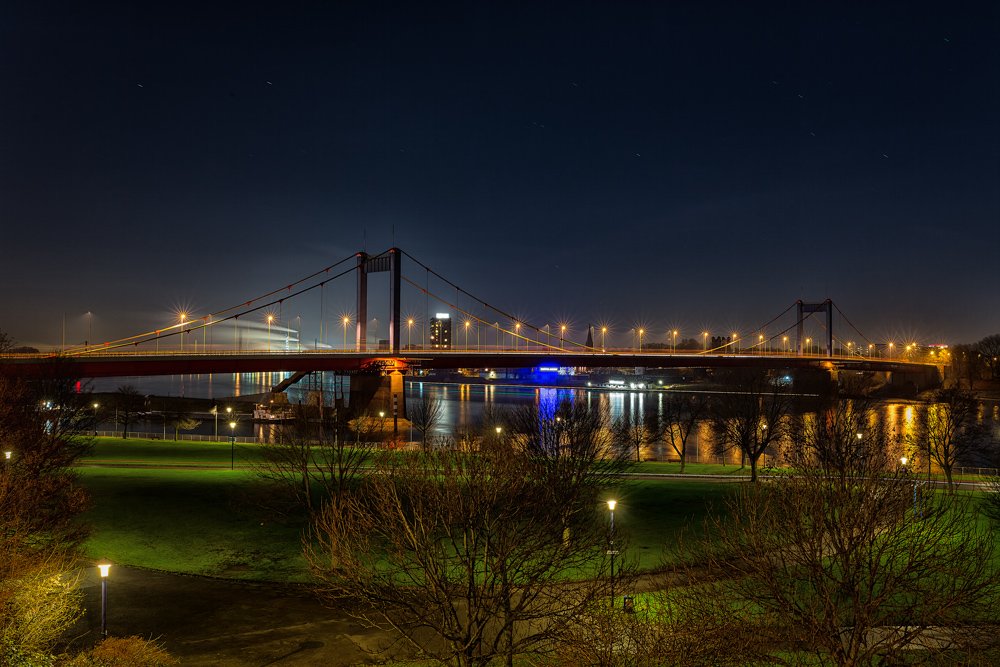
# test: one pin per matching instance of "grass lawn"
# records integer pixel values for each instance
(168, 452)
(182, 521)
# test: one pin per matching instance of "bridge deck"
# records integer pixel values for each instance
(123, 364)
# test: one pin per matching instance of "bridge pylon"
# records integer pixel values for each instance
(388, 261)
(827, 307)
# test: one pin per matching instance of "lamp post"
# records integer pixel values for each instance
(6, 456)
(784, 344)
(345, 332)
(409, 332)
(890, 350)
(269, 318)
(562, 336)
(232, 445)
(183, 316)
(675, 341)
(517, 335)
(104, 566)
(705, 334)
(604, 331)
(611, 550)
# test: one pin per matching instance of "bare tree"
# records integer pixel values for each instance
(41, 436)
(467, 547)
(948, 430)
(309, 462)
(750, 413)
(676, 417)
(631, 433)
(847, 569)
(966, 362)
(40, 529)
(678, 623)
(180, 421)
(989, 351)
(840, 431)
(425, 414)
(128, 404)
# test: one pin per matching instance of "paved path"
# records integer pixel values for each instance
(225, 623)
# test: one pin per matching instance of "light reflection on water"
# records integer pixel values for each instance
(462, 404)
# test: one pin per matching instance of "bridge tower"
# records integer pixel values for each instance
(385, 392)
(827, 307)
(388, 261)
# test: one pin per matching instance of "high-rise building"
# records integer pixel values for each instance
(440, 330)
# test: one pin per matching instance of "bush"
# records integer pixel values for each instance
(124, 652)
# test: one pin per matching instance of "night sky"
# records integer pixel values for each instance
(692, 165)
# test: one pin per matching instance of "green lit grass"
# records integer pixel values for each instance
(182, 521)
(664, 468)
(168, 452)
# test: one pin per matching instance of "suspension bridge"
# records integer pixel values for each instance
(470, 333)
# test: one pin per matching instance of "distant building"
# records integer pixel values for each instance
(441, 330)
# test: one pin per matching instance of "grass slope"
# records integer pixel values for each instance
(182, 521)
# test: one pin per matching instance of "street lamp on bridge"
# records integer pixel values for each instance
(675, 341)
(641, 331)
(604, 332)
(346, 320)
(705, 335)
(183, 316)
(269, 318)
(409, 331)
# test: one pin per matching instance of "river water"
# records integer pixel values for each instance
(462, 404)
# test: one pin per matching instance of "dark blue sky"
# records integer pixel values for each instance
(695, 165)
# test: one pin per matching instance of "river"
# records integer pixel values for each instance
(462, 404)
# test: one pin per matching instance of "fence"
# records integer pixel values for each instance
(158, 435)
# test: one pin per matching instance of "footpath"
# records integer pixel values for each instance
(225, 623)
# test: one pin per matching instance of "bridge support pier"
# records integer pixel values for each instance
(920, 380)
(374, 394)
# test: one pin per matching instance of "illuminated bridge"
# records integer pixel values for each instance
(457, 330)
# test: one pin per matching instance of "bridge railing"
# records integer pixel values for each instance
(455, 351)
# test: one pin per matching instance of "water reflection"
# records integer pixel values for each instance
(463, 405)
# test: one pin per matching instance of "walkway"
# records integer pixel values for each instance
(224, 623)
